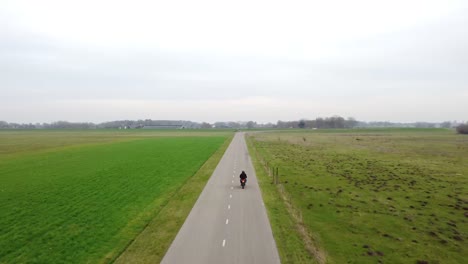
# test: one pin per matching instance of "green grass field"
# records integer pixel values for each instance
(366, 196)
(83, 196)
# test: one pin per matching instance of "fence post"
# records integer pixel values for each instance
(274, 176)
(277, 176)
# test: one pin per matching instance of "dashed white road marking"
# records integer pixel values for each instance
(224, 242)
(232, 188)
(229, 207)
(227, 221)
(230, 196)
(232, 181)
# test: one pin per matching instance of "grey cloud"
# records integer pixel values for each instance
(430, 61)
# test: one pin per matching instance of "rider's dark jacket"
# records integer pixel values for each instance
(243, 175)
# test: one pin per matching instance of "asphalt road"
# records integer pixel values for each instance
(227, 224)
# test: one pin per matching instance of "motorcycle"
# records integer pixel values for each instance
(243, 181)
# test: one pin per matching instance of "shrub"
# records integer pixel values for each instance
(462, 129)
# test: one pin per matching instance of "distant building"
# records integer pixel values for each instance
(164, 127)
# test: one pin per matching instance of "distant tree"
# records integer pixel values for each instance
(446, 124)
(335, 122)
(301, 123)
(251, 124)
(424, 125)
(205, 125)
(319, 122)
(221, 125)
(286, 124)
(462, 129)
(281, 124)
(233, 124)
(351, 122)
(309, 123)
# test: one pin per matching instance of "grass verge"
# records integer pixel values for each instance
(289, 231)
(152, 243)
(384, 196)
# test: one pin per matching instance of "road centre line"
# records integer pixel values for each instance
(230, 196)
(227, 221)
(229, 207)
(224, 242)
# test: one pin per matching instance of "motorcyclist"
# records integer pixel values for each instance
(243, 175)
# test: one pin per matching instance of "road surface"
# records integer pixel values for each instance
(227, 224)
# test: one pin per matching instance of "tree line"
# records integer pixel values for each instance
(327, 122)
(122, 124)
(333, 122)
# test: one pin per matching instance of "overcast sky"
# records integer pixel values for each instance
(399, 60)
